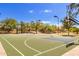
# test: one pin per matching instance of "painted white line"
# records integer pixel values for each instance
(51, 49)
(13, 46)
(30, 47)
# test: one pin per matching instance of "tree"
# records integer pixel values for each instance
(17, 28)
(74, 29)
(32, 26)
(38, 22)
(28, 27)
(72, 12)
(9, 24)
(47, 28)
(67, 24)
(23, 27)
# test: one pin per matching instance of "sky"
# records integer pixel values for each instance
(33, 11)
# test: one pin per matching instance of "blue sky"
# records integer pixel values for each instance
(30, 12)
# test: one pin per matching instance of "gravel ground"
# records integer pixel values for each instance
(73, 52)
(2, 51)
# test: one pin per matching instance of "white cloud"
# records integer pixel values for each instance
(46, 22)
(47, 11)
(31, 11)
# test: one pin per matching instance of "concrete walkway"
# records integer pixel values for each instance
(73, 52)
(2, 51)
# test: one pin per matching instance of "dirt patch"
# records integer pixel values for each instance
(73, 52)
(2, 51)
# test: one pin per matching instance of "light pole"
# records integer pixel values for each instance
(58, 22)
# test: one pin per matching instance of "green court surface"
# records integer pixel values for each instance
(32, 45)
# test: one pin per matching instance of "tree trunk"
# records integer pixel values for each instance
(68, 32)
(16, 30)
(36, 29)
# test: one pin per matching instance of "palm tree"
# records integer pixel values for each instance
(32, 25)
(22, 25)
(38, 22)
(28, 27)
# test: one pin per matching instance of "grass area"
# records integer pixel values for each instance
(37, 42)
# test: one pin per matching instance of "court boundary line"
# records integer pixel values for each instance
(30, 47)
(45, 50)
(13, 47)
(40, 52)
(50, 49)
(33, 50)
